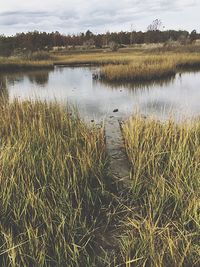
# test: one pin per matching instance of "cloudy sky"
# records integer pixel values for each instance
(74, 16)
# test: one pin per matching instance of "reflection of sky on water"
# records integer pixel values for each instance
(179, 96)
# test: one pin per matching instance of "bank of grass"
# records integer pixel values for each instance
(149, 67)
(97, 59)
(19, 64)
(51, 186)
(163, 227)
(138, 72)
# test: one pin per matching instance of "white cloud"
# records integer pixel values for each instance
(78, 15)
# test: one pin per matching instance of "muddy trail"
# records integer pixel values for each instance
(108, 247)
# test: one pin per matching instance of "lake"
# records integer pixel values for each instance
(178, 97)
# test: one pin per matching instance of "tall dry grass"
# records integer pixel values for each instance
(149, 67)
(14, 64)
(138, 71)
(162, 227)
(51, 186)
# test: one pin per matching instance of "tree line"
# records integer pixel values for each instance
(35, 41)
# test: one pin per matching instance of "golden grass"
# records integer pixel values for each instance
(149, 67)
(51, 183)
(163, 228)
(57, 203)
(138, 72)
(100, 58)
(10, 64)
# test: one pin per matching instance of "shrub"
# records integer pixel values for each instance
(113, 46)
(40, 55)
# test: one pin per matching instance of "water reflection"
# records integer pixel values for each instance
(40, 78)
(179, 95)
(138, 85)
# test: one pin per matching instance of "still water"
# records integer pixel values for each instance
(178, 97)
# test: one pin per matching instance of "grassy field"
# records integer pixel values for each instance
(163, 225)
(51, 186)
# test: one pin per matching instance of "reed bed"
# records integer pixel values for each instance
(149, 67)
(138, 72)
(51, 186)
(188, 61)
(14, 64)
(162, 227)
(100, 58)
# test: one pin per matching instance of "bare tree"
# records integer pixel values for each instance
(132, 34)
(155, 25)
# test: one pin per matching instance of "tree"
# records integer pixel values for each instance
(88, 34)
(6, 46)
(193, 36)
(113, 46)
(184, 39)
(155, 25)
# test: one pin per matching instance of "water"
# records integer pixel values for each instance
(178, 97)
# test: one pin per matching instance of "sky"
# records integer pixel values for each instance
(75, 16)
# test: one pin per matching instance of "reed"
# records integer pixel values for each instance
(162, 227)
(98, 59)
(57, 206)
(138, 72)
(17, 64)
(51, 186)
(149, 67)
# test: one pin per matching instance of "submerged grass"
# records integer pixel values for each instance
(51, 186)
(163, 224)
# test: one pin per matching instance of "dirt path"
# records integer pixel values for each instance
(119, 173)
(119, 165)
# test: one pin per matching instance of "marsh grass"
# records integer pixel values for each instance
(18, 64)
(39, 55)
(123, 65)
(149, 67)
(138, 72)
(51, 186)
(163, 228)
(96, 59)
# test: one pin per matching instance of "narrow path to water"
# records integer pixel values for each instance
(119, 166)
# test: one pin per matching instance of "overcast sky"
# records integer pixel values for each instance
(74, 16)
